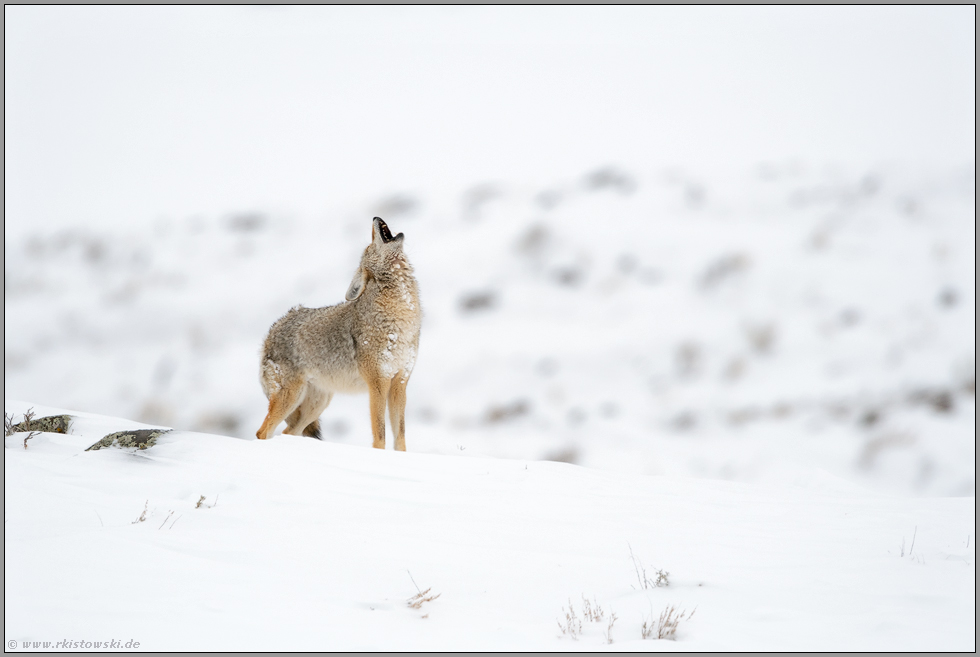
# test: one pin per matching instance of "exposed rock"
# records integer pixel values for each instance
(139, 438)
(50, 424)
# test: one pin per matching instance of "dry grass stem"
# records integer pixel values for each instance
(572, 627)
(29, 436)
(165, 520)
(592, 612)
(420, 598)
(609, 626)
(142, 517)
(416, 601)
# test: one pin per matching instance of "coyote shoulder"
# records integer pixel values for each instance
(368, 343)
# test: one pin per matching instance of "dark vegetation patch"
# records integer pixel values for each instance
(507, 412)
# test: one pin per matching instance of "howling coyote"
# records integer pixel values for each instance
(367, 344)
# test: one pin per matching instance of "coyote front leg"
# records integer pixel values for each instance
(378, 391)
(396, 408)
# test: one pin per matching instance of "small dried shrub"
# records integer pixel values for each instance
(591, 610)
(660, 577)
(201, 503)
(30, 426)
(571, 624)
(665, 627)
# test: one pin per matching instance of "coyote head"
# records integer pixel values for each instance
(382, 257)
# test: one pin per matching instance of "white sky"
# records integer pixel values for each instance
(120, 114)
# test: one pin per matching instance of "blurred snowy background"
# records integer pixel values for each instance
(719, 242)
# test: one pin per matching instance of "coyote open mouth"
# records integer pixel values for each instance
(385, 233)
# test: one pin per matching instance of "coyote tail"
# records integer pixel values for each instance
(313, 430)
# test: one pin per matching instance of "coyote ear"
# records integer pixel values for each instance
(357, 285)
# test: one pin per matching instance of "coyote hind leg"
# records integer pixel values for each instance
(305, 419)
(282, 402)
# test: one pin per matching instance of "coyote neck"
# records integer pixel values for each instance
(397, 271)
(397, 286)
(395, 299)
(398, 297)
(387, 337)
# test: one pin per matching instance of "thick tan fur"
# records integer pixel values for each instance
(368, 343)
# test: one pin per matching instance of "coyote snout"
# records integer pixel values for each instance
(367, 344)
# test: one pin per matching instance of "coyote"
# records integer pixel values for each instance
(367, 344)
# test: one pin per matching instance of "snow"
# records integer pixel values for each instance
(748, 337)
(698, 283)
(309, 545)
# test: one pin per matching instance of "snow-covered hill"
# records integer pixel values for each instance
(734, 326)
(299, 544)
